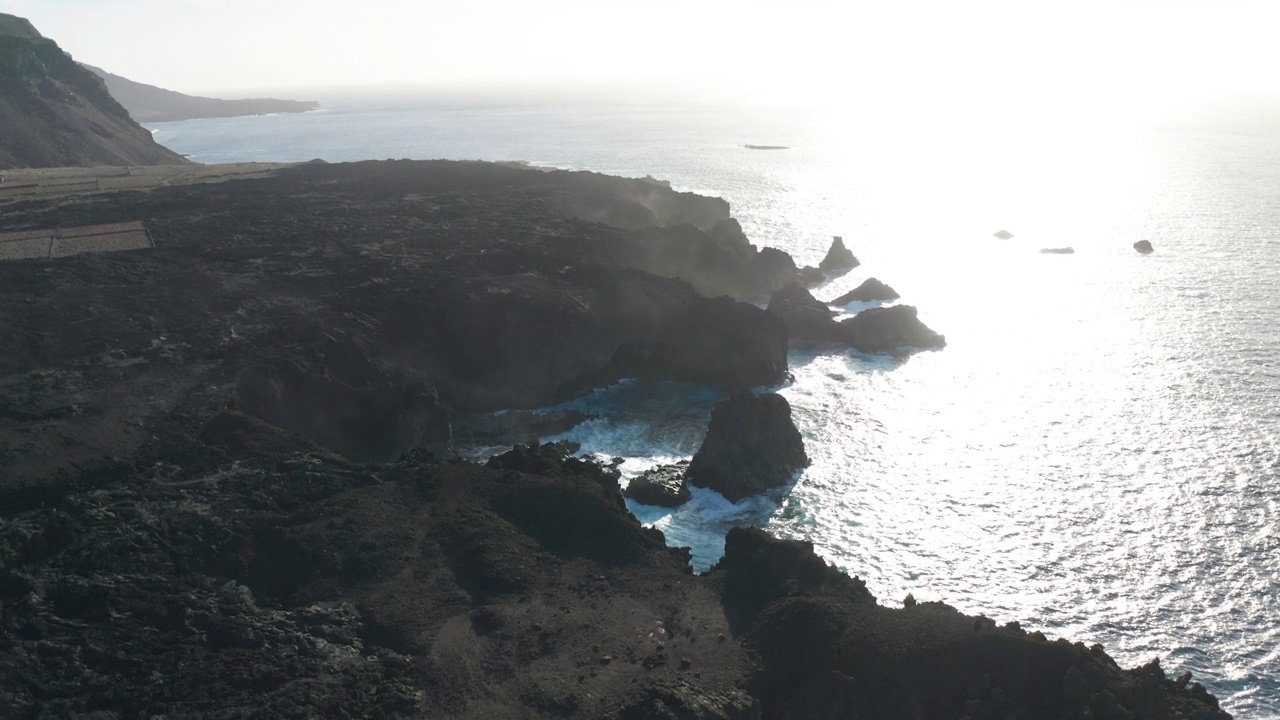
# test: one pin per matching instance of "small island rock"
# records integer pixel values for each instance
(751, 446)
(663, 486)
(839, 258)
(1143, 247)
(871, 290)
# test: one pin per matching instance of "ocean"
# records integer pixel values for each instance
(1096, 453)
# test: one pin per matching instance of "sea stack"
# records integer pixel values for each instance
(839, 258)
(1143, 247)
(751, 446)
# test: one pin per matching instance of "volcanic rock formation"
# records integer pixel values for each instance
(871, 290)
(219, 493)
(839, 259)
(56, 113)
(751, 446)
(664, 486)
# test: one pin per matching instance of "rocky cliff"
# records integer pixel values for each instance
(225, 489)
(148, 103)
(55, 113)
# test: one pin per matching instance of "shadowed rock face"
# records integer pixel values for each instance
(751, 446)
(889, 330)
(56, 113)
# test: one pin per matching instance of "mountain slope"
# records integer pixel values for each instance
(55, 113)
(148, 103)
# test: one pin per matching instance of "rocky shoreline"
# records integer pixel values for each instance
(228, 488)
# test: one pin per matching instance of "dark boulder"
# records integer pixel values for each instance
(839, 258)
(889, 330)
(809, 321)
(1143, 247)
(871, 290)
(663, 486)
(751, 446)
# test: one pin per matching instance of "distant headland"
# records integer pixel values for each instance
(148, 103)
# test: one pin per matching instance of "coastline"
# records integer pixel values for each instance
(310, 543)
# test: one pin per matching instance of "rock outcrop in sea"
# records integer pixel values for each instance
(871, 290)
(839, 259)
(752, 445)
(1143, 247)
(663, 486)
(894, 330)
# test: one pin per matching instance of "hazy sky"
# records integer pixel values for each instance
(792, 51)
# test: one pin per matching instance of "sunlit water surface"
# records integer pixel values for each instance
(1094, 453)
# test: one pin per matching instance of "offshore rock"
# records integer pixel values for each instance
(871, 290)
(839, 259)
(892, 330)
(663, 486)
(751, 446)
(1143, 247)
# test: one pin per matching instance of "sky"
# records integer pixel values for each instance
(802, 51)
